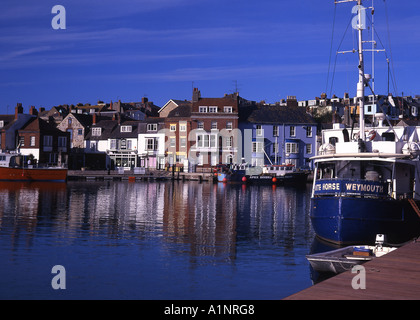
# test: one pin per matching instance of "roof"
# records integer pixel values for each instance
(176, 102)
(280, 114)
(182, 111)
(37, 124)
(84, 119)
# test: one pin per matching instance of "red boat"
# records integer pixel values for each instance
(16, 167)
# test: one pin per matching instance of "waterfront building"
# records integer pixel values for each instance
(274, 134)
(42, 140)
(214, 126)
(151, 143)
(9, 126)
(178, 128)
(97, 141)
(77, 125)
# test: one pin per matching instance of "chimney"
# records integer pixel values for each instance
(94, 119)
(196, 95)
(291, 101)
(18, 110)
(41, 109)
(144, 100)
(33, 111)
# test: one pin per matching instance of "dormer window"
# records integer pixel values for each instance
(1, 123)
(126, 128)
(202, 109)
(227, 109)
(152, 127)
(213, 109)
(96, 132)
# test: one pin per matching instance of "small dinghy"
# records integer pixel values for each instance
(343, 259)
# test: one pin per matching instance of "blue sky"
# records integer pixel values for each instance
(268, 49)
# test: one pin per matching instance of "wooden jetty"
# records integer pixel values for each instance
(395, 276)
(131, 175)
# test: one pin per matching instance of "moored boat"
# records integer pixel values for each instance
(367, 179)
(270, 174)
(15, 167)
(344, 259)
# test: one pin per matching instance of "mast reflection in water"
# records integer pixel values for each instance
(156, 240)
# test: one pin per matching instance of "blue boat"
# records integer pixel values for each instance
(367, 179)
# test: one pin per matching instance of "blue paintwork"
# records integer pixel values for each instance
(301, 158)
(355, 220)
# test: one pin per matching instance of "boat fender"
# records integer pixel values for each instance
(274, 179)
(371, 135)
(243, 179)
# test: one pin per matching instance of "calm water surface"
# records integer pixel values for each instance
(156, 240)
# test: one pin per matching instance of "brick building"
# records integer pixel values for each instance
(214, 130)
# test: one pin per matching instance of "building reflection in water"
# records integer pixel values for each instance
(198, 219)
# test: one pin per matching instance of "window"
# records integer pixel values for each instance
(96, 131)
(183, 142)
(309, 131)
(22, 141)
(214, 124)
(213, 109)
(172, 142)
(48, 141)
(93, 145)
(129, 144)
(292, 147)
(1, 123)
(32, 141)
(200, 125)
(151, 144)
(227, 109)
(126, 128)
(202, 109)
(259, 130)
(308, 148)
(229, 142)
(183, 127)
(212, 141)
(292, 131)
(80, 132)
(275, 131)
(69, 121)
(206, 141)
(172, 127)
(152, 127)
(113, 144)
(275, 148)
(229, 125)
(257, 147)
(62, 142)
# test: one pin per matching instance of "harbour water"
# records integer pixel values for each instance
(153, 240)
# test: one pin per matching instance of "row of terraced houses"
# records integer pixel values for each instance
(185, 135)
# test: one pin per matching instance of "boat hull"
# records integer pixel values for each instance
(33, 174)
(335, 261)
(288, 179)
(353, 220)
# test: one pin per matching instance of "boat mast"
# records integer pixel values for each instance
(359, 26)
(361, 66)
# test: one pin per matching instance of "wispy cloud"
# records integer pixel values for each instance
(230, 72)
(19, 53)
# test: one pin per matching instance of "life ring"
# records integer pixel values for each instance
(371, 135)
